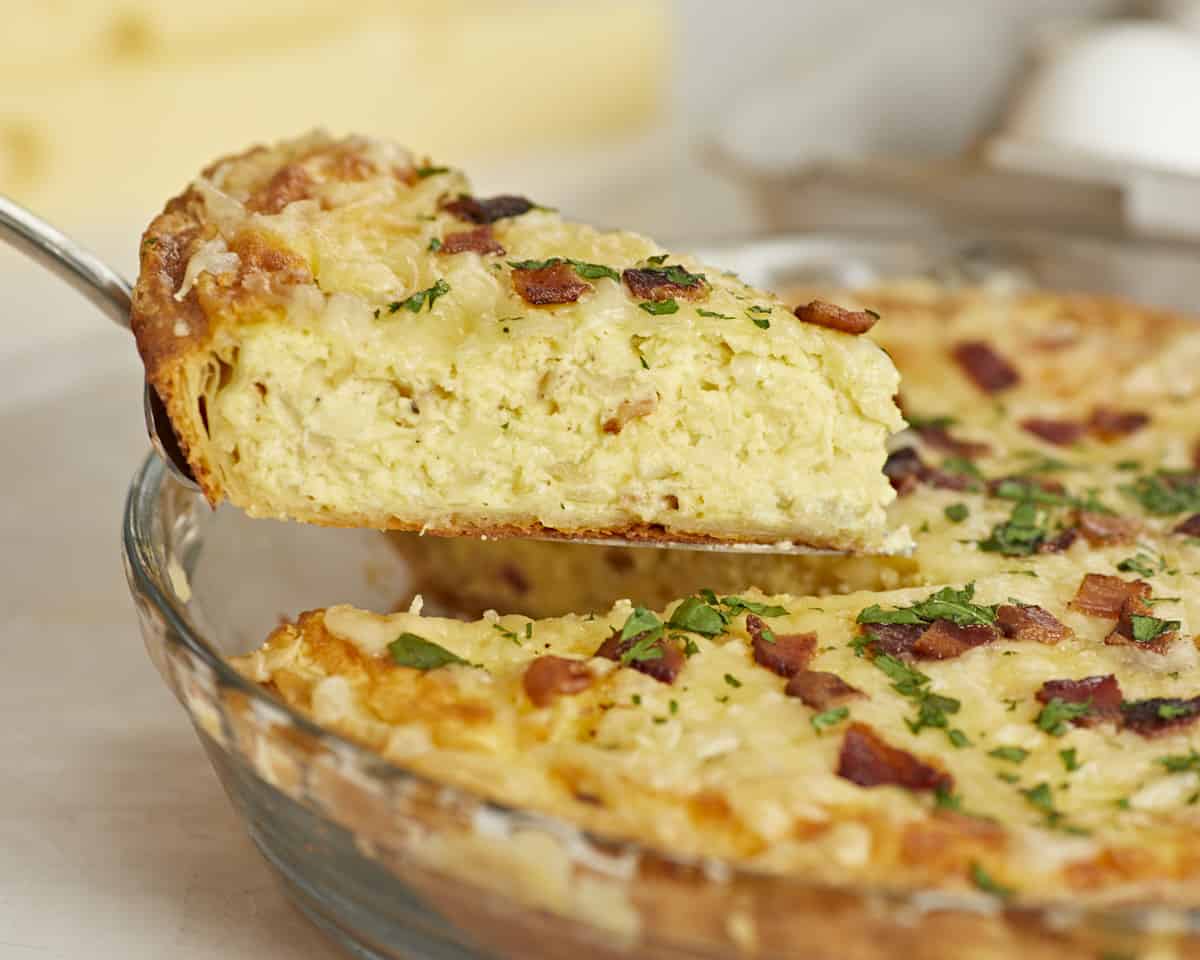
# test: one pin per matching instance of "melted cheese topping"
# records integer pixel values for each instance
(722, 763)
(336, 401)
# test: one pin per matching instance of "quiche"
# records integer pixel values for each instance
(1019, 738)
(345, 334)
(1047, 431)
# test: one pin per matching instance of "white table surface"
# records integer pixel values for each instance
(116, 840)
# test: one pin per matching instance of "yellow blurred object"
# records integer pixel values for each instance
(103, 107)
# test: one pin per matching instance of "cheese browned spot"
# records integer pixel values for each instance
(1061, 433)
(830, 315)
(986, 368)
(549, 677)
(867, 760)
(1031, 622)
(655, 283)
(288, 184)
(784, 654)
(488, 210)
(820, 689)
(1101, 595)
(480, 240)
(553, 283)
(1101, 694)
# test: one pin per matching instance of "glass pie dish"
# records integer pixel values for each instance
(392, 864)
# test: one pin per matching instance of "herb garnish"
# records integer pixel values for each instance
(1010, 754)
(1182, 762)
(420, 298)
(409, 650)
(588, 271)
(1054, 718)
(1139, 563)
(1148, 629)
(1042, 799)
(1166, 492)
(732, 680)
(829, 718)
(506, 633)
(424, 172)
(435, 244)
(648, 630)
(983, 880)
(957, 606)
(713, 314)
(1070, 759)
(657, 258)
(957, 512)
(1021, 534)
(658, 308)
(761, 316)
(698, 617)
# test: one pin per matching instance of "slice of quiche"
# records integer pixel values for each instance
(344, 334)
(1020, 737)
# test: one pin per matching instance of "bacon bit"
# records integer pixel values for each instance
(650, 284)
(1110, 424)
(940, 438)
(867, 760)
(557, 283)
(894, 639)
(1102, 693)
(1122, 633)
(664, 668)
(945, 639)
(1189, 527)
(1100, 595)
(906, 470)
(988, 370)
(630, 410)
(1061, 433)
(489, 210)
(549, 677)
(289, 184)
(787, 655)
(830, 315)
(819, 689)
(1030, 622)
(1059, 542)
(1105, 529)
(1159, 715)
(480, 240)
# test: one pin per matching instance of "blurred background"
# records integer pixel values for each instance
(692, 120)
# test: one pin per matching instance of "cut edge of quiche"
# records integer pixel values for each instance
(344, 334)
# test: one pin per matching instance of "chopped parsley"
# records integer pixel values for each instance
(760, 316)
(1040, 798)
(435, 244)
(736, 605)
(1139, 563)
(657, 259)
(1148, 629)
(1055, 717)
(732, 680)
(421, 298)
(690, 648)
(409, 650)
(958, 739)
(1181, 762)
(957, 606)
(957, 512)
(829, 718)
(1166, 492)
(713, 314)
(1021, 534)
(1128, 465)
(673, 706)
(1172, 711)
(658, 308)
(698, 617)
(962, 466)
(940, 422)
(506, 633)
(1010, 754)
(1069, 759)
(648, 630)
(424, 172)
(943, 799)
(637, 699)
(588, 271)
(983, 881)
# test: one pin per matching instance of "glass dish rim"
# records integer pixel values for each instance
(145, 495)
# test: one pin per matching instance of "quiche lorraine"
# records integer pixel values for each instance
(345, 334)
(1047, 432)
(1016, 738)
